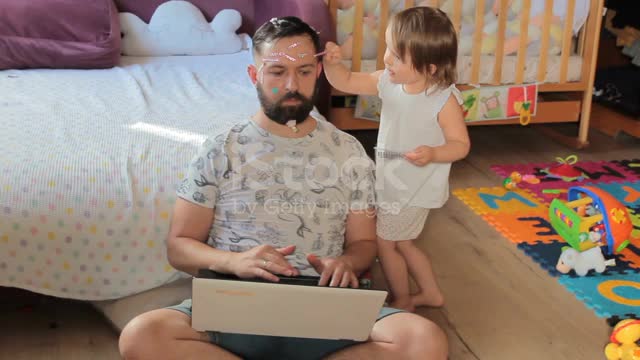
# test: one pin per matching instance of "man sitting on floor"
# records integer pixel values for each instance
(283, 193)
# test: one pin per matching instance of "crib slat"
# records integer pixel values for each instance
(356, 58)
(582, 39)
(502, 27)
(546, 38)
(333, 10)
(457, 16)
(524, 39)
(566, 41)
(382, 46)
(408, 4)
(592, 29)
(477, 42)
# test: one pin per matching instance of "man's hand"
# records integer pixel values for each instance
(333, 54)
(420, 156)
(263, 261)
(333, 271)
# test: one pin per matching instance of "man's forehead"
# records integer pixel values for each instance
(288, 65)
(295, 51)
(292, 43)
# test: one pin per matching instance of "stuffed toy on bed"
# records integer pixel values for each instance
(179, 28)
(346, 12)
(512, 33)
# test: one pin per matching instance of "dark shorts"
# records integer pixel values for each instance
(276, 347)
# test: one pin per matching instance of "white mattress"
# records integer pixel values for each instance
(89, 163)
(574, 69)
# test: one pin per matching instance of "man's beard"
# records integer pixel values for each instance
(283, 113)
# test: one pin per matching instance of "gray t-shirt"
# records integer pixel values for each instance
(267, 189)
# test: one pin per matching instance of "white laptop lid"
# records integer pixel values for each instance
(284, 310)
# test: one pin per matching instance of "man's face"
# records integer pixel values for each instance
(286, 75)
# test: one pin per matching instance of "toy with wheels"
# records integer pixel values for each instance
(582, 262)
(591, 213)
(623, 341)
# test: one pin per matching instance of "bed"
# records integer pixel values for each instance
(551, 43)
(91, 159)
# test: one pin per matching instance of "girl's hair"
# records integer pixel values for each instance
(428, 36)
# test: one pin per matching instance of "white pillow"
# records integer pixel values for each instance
(179, 28)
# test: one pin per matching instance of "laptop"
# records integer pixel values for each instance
(294, 307)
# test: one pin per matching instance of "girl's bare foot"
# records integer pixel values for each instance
(403, 304)
(433, 299)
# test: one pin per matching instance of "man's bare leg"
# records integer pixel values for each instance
(400, 336)
(167, 334)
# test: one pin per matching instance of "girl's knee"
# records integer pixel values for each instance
(386, 244)
(407, 245)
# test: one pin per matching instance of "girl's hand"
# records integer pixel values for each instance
(333, 54)
(420, 156)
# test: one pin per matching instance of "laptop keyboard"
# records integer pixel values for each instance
(287, 280)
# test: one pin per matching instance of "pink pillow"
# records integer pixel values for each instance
(82, 34)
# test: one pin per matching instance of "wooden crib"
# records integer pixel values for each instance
(561, 100)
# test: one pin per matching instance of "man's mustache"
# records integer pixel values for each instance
(292, 96)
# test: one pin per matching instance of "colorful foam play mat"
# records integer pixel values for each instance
(579, 220)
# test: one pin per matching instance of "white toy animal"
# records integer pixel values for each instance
(582, 262)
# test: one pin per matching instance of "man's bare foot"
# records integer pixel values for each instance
(403, 304)
(431, 300)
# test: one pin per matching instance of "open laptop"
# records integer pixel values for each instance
(294, 307)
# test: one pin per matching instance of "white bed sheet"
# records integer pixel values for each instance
(89, 164)
(487, 62)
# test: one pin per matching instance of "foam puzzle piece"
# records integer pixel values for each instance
(627, 192)
(632, 165)
(634, 212)
(530, 228)
(498, 200)
(631, 254)
(597, 172)
(547, 254)
(522, 217)
(614, 295)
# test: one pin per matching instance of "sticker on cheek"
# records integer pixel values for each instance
(275, 90)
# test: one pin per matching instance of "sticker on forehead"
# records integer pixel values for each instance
(280, 54)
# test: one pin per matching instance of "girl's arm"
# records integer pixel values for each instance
(341, 78)
(457, 141)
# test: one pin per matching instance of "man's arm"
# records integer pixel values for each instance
(186, 246)
(358, 254)
(187, 249)
(360, 241)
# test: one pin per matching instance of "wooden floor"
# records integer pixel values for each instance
(499, 304)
